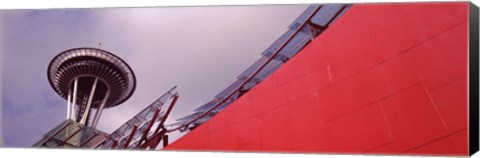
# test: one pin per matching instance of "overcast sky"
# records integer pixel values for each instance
(200, 49)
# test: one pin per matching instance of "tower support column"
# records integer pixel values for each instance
(69, 104)
(74, 102)
(100, 109)
(89, 103)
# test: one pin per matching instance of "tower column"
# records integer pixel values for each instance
(89, 103)
(74, 102)
(100, 109)
(69, 104)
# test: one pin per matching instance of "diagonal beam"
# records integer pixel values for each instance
(165, 140)
(172, 104)
(175, 98)
(153, 141)
(130, 137)
(114, 144)
(89, 103)
(98, 113)
(145, 133)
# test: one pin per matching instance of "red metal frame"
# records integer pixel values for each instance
(153, 141)
(165, 140)
(130, 137)
(175, 98)
(114, 144)
(160, 131)
(144, 136)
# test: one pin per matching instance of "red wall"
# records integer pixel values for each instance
(385, 78)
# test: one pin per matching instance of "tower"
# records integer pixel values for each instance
(90, 79)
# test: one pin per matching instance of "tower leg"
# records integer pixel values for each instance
(69, 104)
(99, 110)
(74, 102)
(89, 103)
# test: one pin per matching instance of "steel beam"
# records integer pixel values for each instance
(172, 104)
(100, 109)
(89, 103)
(150, 124)
(74, 102)
(130, 137)
(165, 140)
(114, 144)
(69, 104)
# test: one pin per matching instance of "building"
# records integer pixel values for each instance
(383, 79)
(90, 80)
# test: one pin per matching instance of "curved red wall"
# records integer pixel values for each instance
(385, 78)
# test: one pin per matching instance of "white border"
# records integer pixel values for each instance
(47, 4)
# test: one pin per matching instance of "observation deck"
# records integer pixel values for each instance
(90, 78)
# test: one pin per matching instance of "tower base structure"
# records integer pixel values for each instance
(71, 134)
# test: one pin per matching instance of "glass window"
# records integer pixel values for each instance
(149, 116)
(276, 45)
(300, 19)
(229, 89)
(190, 117)
(326, 14)
(207, 106)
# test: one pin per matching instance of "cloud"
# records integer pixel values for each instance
(200, 49)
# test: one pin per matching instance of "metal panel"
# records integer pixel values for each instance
(326, 14)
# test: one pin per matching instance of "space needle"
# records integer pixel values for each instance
(91, 80)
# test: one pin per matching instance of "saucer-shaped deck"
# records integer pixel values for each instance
(86, 64)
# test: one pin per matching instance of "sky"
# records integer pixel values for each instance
(199, 49)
